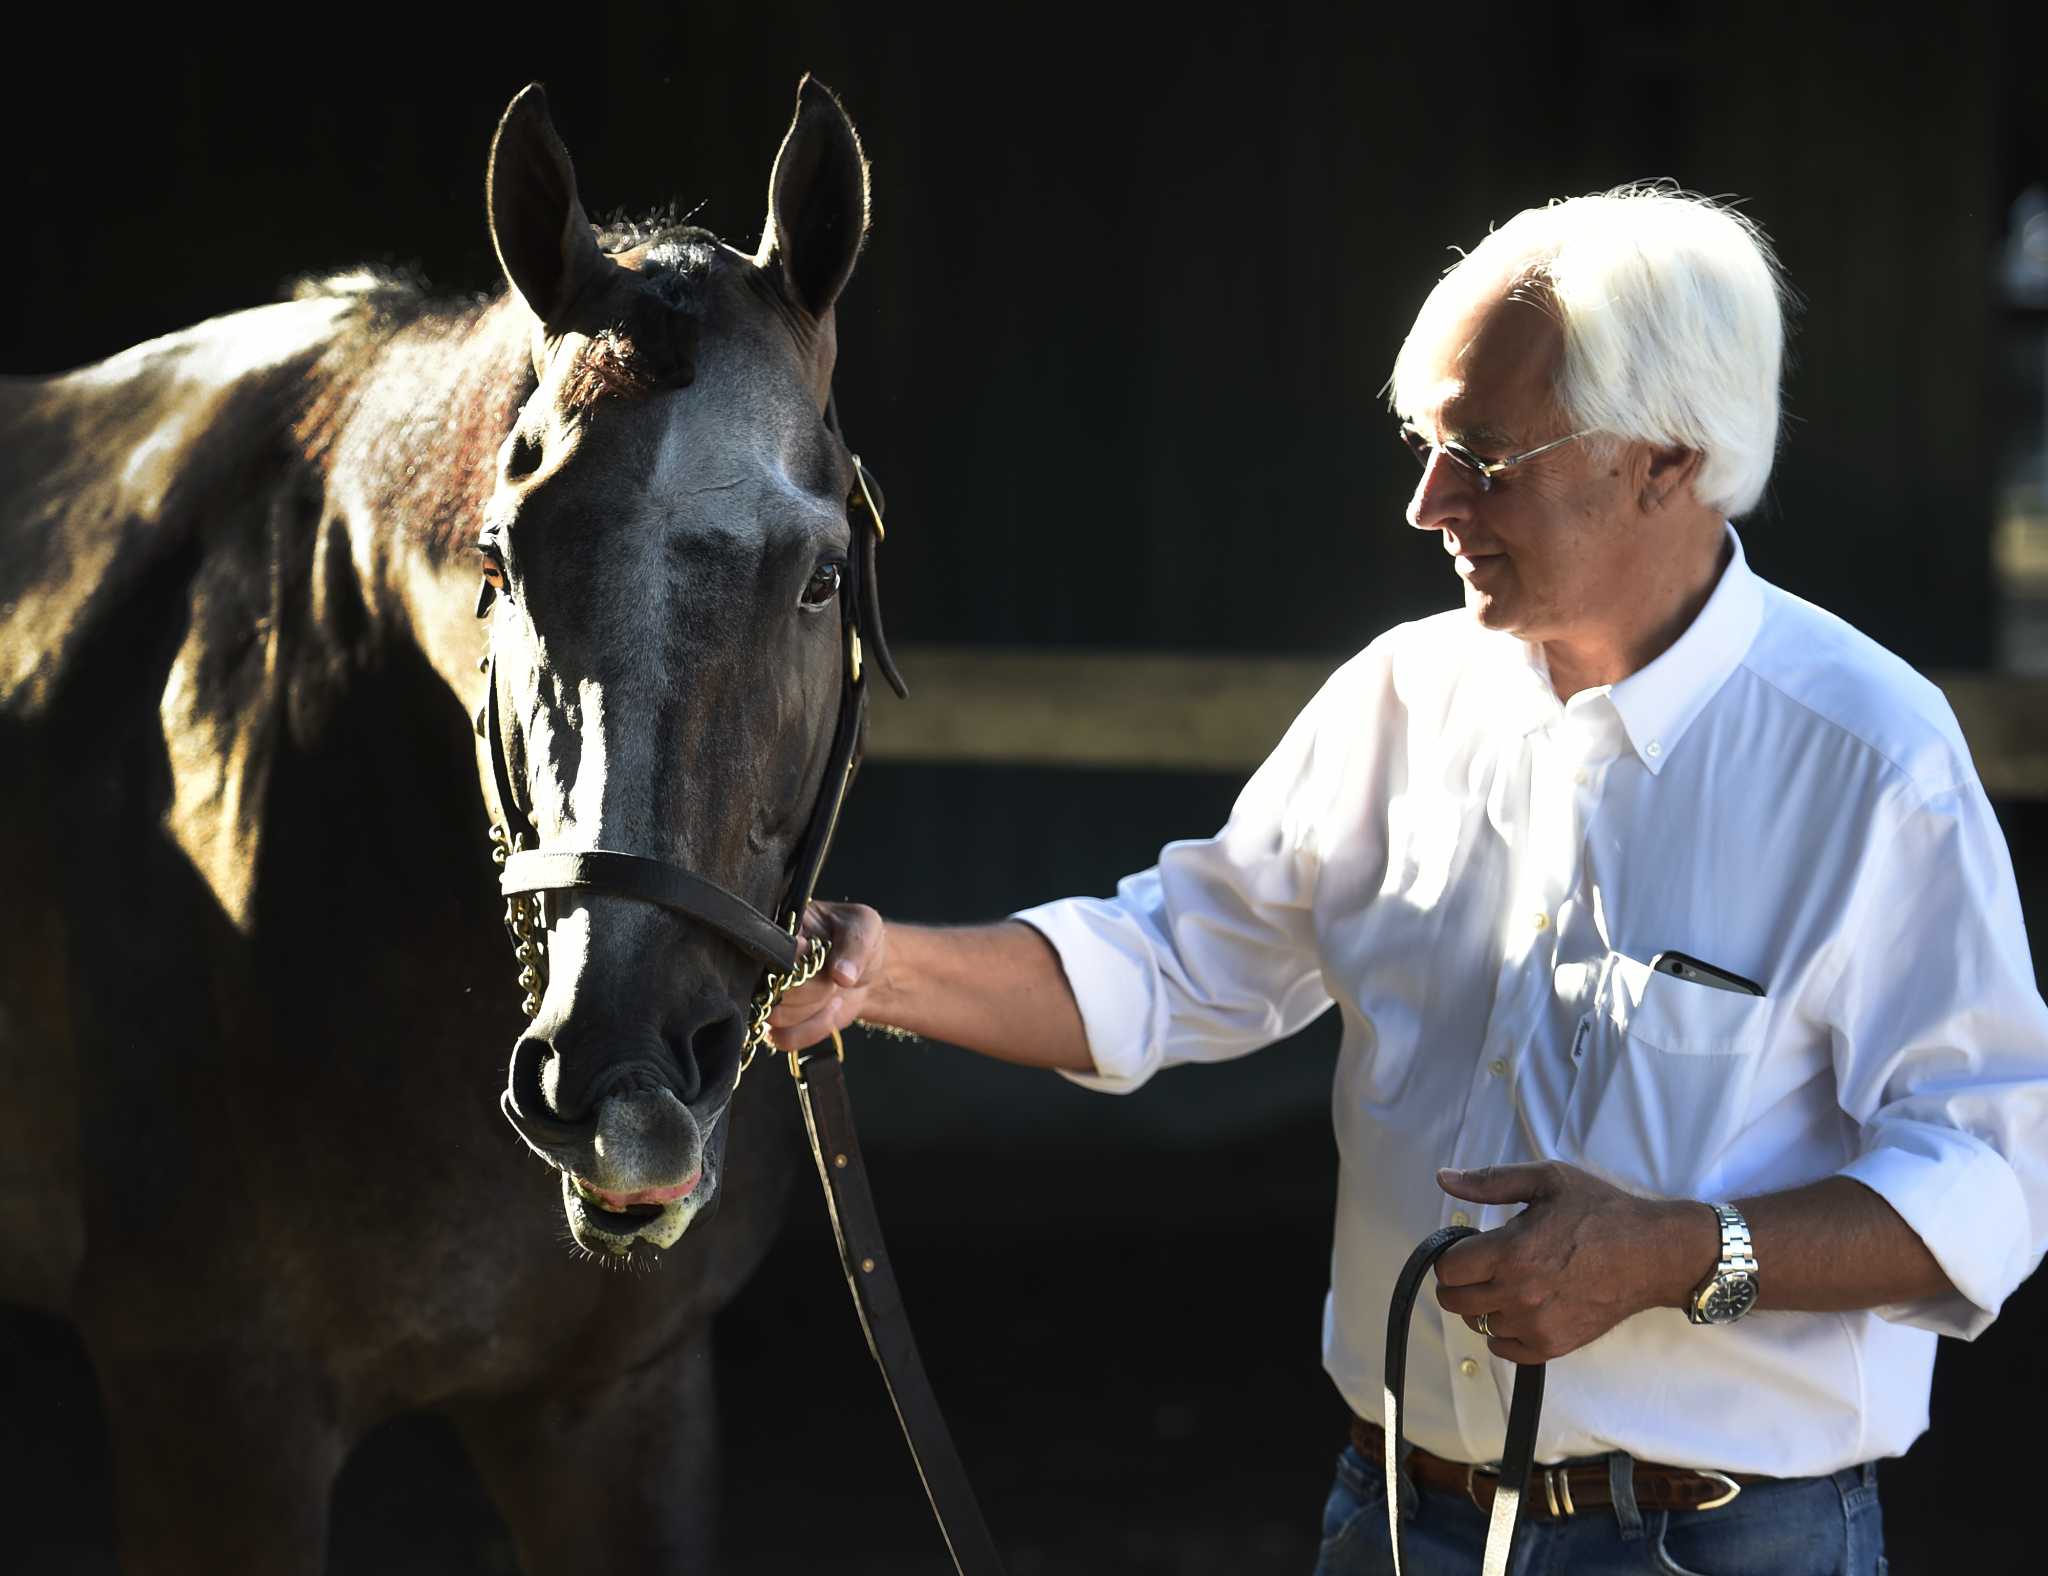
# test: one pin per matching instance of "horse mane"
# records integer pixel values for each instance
(411, 399)
(621, 231)
(383, 287)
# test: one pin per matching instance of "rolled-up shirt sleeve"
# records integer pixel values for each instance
(1941, 1056)
(1212, 953)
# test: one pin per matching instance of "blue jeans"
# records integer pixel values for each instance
(1823, 1526)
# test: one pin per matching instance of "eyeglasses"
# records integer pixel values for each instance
(1483, 471)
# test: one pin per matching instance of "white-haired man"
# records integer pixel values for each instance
(1676, 945)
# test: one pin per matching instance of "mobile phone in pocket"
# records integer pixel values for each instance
(1683, 966)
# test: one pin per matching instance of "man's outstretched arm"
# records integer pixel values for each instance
(998, 989)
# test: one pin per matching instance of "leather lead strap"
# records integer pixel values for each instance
(1523, 1412)
(828, 1118)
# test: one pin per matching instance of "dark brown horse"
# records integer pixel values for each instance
(255, 1000)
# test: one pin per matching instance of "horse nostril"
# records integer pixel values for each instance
(707, 1055)
(534, 1079)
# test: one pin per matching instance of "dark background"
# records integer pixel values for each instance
(1117, 347)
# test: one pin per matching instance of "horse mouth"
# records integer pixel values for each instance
(647, 1201)
(608, 1222)
(639, 1165)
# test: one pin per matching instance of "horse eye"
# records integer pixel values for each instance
(823, 585)
(493, 565)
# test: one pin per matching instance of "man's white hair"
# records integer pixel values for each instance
(1673, 310)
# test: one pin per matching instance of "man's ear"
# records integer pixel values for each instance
(1669, 477)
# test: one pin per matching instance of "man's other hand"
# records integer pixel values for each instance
(1581, 1258)
(858, 940)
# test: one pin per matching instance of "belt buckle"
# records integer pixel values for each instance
(1472, 1472)
(1725, 1481)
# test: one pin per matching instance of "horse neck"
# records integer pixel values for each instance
(407, 432)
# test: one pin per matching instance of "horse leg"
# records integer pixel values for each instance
(620, 1474)
(220, 1463)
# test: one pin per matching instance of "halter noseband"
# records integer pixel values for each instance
(527, 869)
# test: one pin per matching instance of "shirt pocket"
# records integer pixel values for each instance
(1662, 1084)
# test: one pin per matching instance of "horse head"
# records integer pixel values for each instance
(664, 555)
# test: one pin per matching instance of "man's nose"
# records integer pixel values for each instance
(1441, 495)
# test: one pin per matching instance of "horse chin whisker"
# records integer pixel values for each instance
(629, 1261)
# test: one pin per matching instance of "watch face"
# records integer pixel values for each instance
(1728, 1299)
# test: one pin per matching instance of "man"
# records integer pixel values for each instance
(1661, 905)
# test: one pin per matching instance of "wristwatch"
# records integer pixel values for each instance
(1730, 1292)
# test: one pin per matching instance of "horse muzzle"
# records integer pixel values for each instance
(639, 1159)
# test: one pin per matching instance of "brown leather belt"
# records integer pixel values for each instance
(1568, 1489)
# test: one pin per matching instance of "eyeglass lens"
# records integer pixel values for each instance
(1422, 448)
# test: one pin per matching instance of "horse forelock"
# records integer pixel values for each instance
(413, 399)
(679, 267)
(610, 366)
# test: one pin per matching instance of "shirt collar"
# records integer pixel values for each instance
(1659, 701)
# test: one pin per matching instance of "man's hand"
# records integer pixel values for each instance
(1581, 1258)
(998, 989)
(859, 942)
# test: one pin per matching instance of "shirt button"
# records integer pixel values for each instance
(1540, 921)
(1653, 749)
(1468, 1368)
(1460, 1218)
(1582, 776)
(1498, 1068)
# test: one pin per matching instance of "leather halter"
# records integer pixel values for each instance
(529, 869)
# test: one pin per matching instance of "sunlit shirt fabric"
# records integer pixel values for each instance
(1479, 877)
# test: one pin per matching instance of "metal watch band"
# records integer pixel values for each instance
(1737, 1265)
(1738, 1254)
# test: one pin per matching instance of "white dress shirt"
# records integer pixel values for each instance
(1480, 876)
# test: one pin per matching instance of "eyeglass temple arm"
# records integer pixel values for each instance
(1529, 454)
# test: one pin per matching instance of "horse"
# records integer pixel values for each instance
(254, 1001)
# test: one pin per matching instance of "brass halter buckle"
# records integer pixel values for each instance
(867, 496)
(798, 1060)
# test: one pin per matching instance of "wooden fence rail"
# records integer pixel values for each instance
(1168, 712)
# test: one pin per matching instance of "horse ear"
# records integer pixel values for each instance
(537, 220)
(817, 201)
